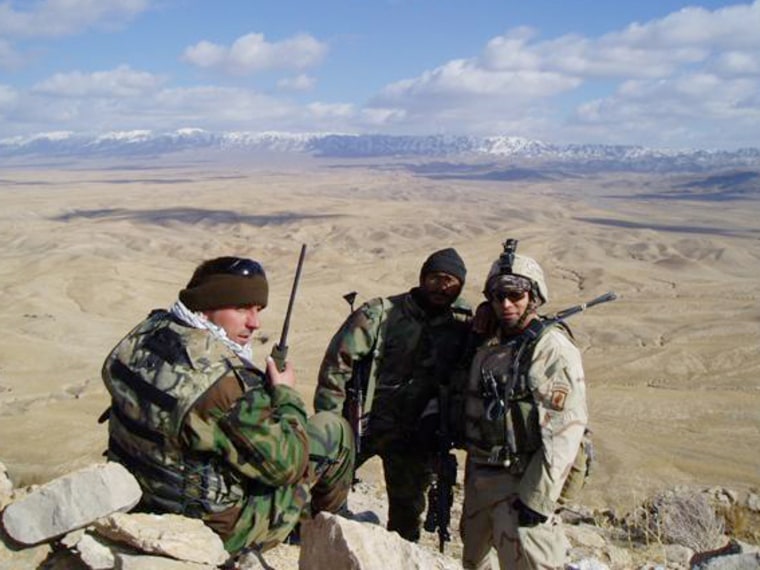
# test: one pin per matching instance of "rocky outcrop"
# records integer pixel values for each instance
(168, 535)
(79, 521)
(331, 541)
(71, 502)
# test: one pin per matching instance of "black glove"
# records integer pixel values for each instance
(527, 516)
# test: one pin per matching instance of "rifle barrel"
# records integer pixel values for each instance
(606, 297)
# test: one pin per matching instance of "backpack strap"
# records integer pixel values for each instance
(531, 335)
(374, 354)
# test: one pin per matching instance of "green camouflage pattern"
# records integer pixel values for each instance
(246, 467)
(410, 352)
(411, 349)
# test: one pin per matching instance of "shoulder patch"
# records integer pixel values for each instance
(558, 398)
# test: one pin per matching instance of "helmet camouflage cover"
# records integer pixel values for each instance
(522, 266)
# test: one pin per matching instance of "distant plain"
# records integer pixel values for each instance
(673, 366)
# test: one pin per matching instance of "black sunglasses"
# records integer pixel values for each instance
(243, 267)
(513, 295)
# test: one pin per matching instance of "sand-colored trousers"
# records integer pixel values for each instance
(489, 521)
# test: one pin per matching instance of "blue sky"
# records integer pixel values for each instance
(661, 73)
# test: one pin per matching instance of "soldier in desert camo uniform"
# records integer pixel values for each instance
(208, 434)
(525, 414)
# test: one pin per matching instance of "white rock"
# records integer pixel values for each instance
(176, 536)
(732, 562)
(588, 564)
(330, 541)
(6, 485)
(71, 502)
(95, 553)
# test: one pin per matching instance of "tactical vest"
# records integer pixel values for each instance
(500, 415)
(411, 349)
(155, 375)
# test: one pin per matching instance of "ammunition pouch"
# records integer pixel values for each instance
(499, 456)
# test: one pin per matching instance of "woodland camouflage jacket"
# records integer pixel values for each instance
(410, 350)
(204, 435)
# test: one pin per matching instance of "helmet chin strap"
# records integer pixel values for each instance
(529, 311)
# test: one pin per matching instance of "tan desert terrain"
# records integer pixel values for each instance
(673, 365)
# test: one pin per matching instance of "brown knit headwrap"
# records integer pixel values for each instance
(214, 286)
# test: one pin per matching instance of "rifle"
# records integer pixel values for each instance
(497, 406)
(280, 350)
(440, 496)
(353, 407)
(562, 315)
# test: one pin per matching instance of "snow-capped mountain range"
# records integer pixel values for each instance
(144, 143)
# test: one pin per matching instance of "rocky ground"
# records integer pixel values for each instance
(81, 521)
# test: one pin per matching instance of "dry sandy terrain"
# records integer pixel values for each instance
(673, 365)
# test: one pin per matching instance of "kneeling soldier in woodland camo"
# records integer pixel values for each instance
(209, 435)
(524, 418)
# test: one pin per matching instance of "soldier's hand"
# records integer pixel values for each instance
(285, 378)
(527, 516)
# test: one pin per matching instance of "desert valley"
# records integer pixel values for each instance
(673, 365)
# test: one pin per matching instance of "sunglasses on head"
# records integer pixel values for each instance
(243, 267)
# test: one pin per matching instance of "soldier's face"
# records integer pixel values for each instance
(509, 306)
(238, 322)
(441, 288)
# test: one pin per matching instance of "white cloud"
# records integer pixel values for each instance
(679, 78)
(375, 116)
(120, 82)
(695, 67)
(9, 57)
(52, 18)
(737, 63)
(252, 53)
(466, 78)
(225, 106)
(301, 82)
(207, 107)
(692, 108)
(8, 97)
(205, 54)
(733, 26)
(331, 110)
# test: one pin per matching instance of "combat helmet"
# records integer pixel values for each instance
(510, 263)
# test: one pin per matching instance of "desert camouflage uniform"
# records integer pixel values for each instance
(408, 350)
(526, 452)
(208, 438)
